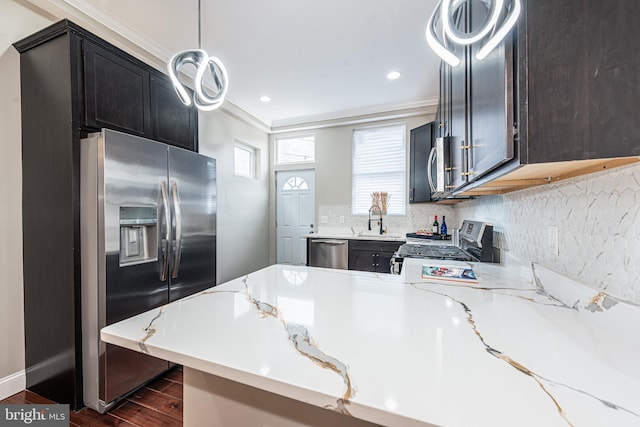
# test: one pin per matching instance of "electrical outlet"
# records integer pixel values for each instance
(324, 219)
(553, 240)
(341, 219)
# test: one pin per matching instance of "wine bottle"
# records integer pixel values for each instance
(436, 227)
(443, 227)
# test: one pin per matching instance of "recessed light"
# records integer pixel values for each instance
(265, 98)
(393, 75)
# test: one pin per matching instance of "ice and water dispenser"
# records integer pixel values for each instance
(138, 235)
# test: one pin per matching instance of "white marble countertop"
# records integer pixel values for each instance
(503, 352)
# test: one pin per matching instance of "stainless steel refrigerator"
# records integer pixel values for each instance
(148, 236)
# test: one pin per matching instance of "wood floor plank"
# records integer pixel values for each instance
(36, 399)
(160, 384)
(174, 390)
(143, 416)
(90, 418)
(161, 402)
(16, 399)
(175, 375)
(157, 405)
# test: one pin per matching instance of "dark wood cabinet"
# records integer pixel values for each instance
(583, 75)
(457, 129)
(117, 91)
(72, 84)
(490, 102)
(372, 255)
(558, 98)
(475, 114)
(172, 122)
(420, 143)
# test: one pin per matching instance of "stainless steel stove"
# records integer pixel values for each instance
(475, 243)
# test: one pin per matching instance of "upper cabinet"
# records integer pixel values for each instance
(420, 144)
(116, 91)
(171, 122)
(557, 98)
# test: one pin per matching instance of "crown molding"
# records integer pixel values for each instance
(107, 27)
(356, 116)
(242, 114)
(121, 29)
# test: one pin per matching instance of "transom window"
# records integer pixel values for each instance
(298, 149)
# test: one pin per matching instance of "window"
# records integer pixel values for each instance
(379, 164)
(299, 149)
(244, 158)
(295, 183)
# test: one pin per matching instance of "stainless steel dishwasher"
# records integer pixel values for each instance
(329, 253)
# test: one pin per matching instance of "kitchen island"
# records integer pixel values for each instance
(293, 345)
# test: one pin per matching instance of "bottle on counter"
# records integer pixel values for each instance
(435, 227)
(443, 227)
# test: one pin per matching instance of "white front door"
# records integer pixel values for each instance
(295, 212)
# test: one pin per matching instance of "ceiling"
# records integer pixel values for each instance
(317, 60)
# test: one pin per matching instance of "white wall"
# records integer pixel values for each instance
(598, 217)
(16, 22)
(11, 307)
(333, 183)
(243, 210)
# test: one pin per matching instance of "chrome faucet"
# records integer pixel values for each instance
(374, 207)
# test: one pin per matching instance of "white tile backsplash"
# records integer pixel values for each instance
(419, 216)
(598, 217)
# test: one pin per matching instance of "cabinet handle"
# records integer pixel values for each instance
(465, 159)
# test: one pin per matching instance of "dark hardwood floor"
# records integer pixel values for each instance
(157, 404)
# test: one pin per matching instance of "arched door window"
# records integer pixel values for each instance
(295, 183)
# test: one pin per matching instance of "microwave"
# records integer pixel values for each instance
(439, 169)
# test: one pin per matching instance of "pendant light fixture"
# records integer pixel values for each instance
(202, 98)
(503, 15)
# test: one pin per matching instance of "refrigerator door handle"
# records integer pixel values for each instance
(163, 244)
(178, 235)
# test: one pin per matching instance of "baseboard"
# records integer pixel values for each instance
(12, 384)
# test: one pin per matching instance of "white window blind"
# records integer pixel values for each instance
(379, 164)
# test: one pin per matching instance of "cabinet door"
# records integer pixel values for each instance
(362, 260)
(368, 255)
(384, 262)
(116, 92)
(490, 104)
(458, 125)
(420, 147)
(173, 122)
(443, 113)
